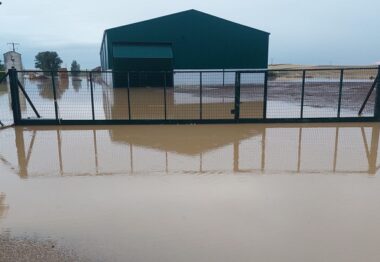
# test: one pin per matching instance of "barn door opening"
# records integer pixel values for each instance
(145, 64)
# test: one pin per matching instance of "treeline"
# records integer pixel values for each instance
(50, 61)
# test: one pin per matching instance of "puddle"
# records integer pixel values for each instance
(204, 149)
(196, 192)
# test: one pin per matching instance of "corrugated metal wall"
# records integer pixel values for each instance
(199, 41)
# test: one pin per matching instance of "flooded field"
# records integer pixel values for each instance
(191, 193)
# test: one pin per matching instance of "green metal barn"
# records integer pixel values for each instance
(181, 41)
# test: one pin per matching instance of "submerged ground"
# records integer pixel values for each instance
(190, 193)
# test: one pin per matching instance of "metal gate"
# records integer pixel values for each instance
(6, 117)
(249, 96)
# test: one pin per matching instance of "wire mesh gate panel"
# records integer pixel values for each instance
(194, 96)
(6, 117)
(217, 95)
(252, 89)
(184, 99)
(356, 85)
(284, 95)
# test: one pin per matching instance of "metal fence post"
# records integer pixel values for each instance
(237, 96)
(223, 78)
(15, 95)
(377, 101)
(265, 95)
(54, 96)
(92, 97)
(303, 91)
(165, 83)
(340, 91)
(129, 95)
(87, 78)
(200, 96)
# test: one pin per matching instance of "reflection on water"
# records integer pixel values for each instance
(205, 149)
(3, 89)
(190, 193)
(5, 106)
(76, 83)
(3, 206)
(46, 91)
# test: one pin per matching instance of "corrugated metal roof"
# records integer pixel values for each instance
(186, 12)
(142, 51)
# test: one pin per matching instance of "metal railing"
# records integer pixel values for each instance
(208, 96)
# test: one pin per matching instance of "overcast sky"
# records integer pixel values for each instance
(304, 32)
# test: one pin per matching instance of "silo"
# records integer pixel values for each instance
(13, 59)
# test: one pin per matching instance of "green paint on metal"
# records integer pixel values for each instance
(198, 41)
(142, 51)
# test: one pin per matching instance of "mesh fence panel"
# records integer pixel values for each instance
(6, 117)
(321, 93)
(217, 95)
(252, 95)
(356, 85)
(147, 102)
(74, 96)
(193, 95)
(39, 89)
(110, 102)
(284, 94)
(183, 100)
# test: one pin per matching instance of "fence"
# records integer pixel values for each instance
(249, 96)
(6, 117)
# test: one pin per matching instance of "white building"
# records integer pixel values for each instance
(13, 59)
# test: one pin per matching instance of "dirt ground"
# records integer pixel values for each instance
(26, 249)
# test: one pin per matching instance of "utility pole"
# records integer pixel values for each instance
(13, 44)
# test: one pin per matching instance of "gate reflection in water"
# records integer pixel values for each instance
(205, 149)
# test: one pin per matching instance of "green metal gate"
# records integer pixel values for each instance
(215, 96)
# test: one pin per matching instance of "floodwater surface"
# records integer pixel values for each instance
(191, 193)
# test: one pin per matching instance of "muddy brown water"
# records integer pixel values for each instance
(192, 193)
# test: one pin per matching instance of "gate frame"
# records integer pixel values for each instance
(377, 97)
(14, 86)
(16, 109)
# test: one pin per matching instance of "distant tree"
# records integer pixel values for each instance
(48, 61)
(75, 68)
(2, 66)
(2, 69)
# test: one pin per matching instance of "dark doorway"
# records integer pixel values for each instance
(142, 65)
